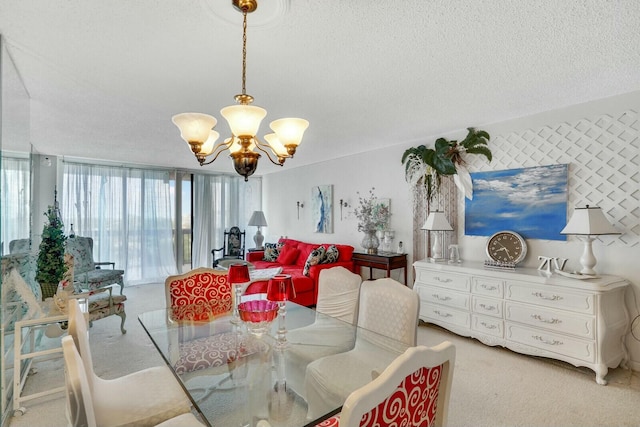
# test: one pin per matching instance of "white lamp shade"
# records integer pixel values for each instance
(289, 130)
(275, 143)
(588, 221)
(244, 120)
(437, 221)
(194, 127)
(209, 144)
(258, 219)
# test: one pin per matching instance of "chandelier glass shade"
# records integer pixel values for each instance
(244, 121)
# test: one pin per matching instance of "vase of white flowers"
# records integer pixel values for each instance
(372, 216)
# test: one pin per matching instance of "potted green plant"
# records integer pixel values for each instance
(425, 166)
(51, 266)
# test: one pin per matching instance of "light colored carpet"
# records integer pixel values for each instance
(491, 387)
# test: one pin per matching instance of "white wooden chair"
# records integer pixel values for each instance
(80, 402)
(142, 398)
(338, 291)
(413, 391)
(387, 308)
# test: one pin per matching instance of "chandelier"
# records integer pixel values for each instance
(244, 120)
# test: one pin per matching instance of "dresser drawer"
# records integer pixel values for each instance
(487, 325)
(549, 296)
(448, 280)
(436, 295)
(552, 342)
(487, 306)
(487, 286)
(439, 314)
(556, 320)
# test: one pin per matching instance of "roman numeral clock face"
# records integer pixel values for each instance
(506, 247)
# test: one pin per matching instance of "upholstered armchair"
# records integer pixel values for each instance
(88, 275)
(413, 390)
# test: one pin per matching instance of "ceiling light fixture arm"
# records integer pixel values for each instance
(268, 150)
(220, 147)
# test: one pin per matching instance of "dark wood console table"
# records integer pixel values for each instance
(382, 260)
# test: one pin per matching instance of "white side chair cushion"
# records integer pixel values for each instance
(331, 379)
(311, 342)
(389, 308)
(143, 398)
(338, 290)
(184, 420)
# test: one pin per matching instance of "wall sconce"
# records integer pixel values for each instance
(343, 204)
(300, 205)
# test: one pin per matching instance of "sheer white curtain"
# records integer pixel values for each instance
(219, 203)
(16, 196)
(128, 212)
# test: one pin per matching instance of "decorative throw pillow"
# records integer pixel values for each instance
(271, 251)
(315, 257)
(331, 255)
(288, 255)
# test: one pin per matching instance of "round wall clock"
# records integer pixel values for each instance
(506, 247)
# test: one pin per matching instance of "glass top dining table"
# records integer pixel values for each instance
(238, 378)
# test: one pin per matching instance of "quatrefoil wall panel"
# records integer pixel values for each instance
(603, 154)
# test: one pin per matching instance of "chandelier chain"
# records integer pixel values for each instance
(244, 51)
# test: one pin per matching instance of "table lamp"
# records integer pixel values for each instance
(280, 289)
(586, 222)
(258, 220)
(238, 274)
(437, 221)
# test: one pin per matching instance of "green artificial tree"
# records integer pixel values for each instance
(51, 265)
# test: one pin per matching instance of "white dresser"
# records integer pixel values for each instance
(582, 322)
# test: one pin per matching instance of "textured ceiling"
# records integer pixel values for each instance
(106, 77)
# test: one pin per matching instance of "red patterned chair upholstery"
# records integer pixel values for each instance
(198, 295)
(201, 298)
(414, 390)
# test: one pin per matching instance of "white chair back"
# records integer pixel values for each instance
(389, 308)
(80, 332)
(80, 411)
(338, 291)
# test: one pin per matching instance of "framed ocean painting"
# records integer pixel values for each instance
(530, 201)
(322, 208)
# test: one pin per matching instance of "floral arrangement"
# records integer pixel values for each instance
(371, 213)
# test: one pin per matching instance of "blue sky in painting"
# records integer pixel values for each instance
(530, 201)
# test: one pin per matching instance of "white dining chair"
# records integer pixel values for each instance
(338, 290)
(387, 310)
(80, 406)
(414, 390)
(142, 398)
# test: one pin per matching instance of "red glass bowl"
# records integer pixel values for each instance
(258, 314)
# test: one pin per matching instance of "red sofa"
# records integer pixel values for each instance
(306, 286)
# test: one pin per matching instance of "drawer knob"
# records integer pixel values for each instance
(445, 280)
(488, 326)
(489, 288)
(443, 315)
(552, 321)
(488, 307)
(539, 338)
(548, 298)
(438, 297)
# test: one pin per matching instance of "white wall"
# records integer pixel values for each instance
(600, 140)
